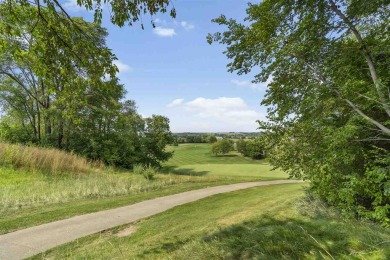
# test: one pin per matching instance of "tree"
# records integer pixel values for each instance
(44, 84)
(211, 139)
(157, 136)
(328, 102)
(252, 148)
(121, 11)
(241, 146)
(222, 147)
(49, 97)
(59, 27)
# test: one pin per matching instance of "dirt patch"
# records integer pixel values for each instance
(126, 231)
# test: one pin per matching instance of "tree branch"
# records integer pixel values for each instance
(323, 80)
(366, 53)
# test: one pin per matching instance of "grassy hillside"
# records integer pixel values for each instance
(257, 223)
(41, 185)
(197, 159)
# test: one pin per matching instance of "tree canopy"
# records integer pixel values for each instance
(223, 146)
(51, 97)
(328, 101)
(121, 12)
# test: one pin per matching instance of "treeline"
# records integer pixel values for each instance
(195, 139)
(58, 88)
(212, 137)
(248, 148)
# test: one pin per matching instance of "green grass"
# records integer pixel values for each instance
(257, 223)
(197, 159)
(190, 154)
(31, 197)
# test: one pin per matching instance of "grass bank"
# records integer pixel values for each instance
(32, 195)
(257, 223)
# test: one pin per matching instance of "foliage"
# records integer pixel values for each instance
(50, 97)
(328, 102)
(147, 171)
(222, 147)
(120, 12)
(252, 148)
(53, 17)
(211, 139)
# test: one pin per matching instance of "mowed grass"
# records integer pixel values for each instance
(257, 223)
(197, 159)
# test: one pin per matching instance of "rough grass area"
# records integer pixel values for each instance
(37, 159)
(197, 159)
(257, 223)
(20, 189)
(35, 194)
(28, 199)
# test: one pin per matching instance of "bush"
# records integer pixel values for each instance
(147, 171)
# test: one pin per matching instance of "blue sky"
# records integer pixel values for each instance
(172, 71)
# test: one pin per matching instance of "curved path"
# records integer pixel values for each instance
(30, 241)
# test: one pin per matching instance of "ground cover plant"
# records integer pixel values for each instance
(257, 223)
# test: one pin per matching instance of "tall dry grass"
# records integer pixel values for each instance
(45, 191)
(46, 160)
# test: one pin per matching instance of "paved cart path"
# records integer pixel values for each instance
(30, 241)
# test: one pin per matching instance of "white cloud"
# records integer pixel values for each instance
(204, 107)
(186, 25)
(255, 86)
(71, 5)
(160, 21)
(164, 32)
(176, 102)
(214, 115)
(122, 67)
(246, 83)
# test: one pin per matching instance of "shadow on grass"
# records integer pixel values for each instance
(182, 171)
(226, 155)
(269, 238)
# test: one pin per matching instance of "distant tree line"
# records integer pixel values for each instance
(249, 148)
(211, 138)
(51, 97)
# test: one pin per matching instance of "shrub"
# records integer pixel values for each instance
(147, 171)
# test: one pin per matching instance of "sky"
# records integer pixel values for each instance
(171, 70)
